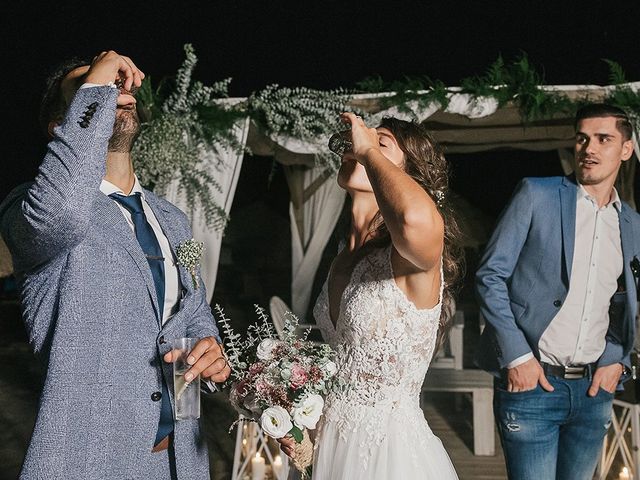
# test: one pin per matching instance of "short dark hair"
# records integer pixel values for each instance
(599, 110)
(53, 105)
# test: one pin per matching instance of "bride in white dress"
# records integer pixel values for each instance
(381, 305)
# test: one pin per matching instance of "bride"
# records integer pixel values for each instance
(381, 307)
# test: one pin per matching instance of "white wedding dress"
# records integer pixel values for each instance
(372, 427)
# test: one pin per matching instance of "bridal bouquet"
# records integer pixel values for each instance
(279, 382)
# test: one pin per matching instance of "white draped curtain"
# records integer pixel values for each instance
(316, 203)
(225, 165)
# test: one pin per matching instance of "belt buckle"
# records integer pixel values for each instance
(573, 373)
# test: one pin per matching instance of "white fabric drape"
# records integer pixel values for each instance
(459, 103)
(316, 203)
(225, 166)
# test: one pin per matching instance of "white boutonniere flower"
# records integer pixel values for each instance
(189, 254)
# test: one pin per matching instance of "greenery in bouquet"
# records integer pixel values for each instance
(279, 383)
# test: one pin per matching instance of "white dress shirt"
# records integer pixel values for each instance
(171, 278)
(576, 335)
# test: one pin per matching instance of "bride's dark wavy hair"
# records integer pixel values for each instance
(425, 163)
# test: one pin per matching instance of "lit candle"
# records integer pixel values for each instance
(624, 474)
(277, 467)
(258, 467)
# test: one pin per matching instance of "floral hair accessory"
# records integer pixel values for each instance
(439, 196)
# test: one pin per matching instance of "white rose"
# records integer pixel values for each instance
(308, 412)
(266, 347)
(276, 422)
(331, 368)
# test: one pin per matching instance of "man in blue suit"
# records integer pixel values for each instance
(102, 294)
(558, 289)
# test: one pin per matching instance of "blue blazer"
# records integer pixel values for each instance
(90, 309)
(524, 274)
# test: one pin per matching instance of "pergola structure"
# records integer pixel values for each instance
(467, 125)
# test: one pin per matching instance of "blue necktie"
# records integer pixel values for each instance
(151, 248)
(147, 240)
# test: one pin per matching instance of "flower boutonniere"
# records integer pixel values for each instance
(189, 254)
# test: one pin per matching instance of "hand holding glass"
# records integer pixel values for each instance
(186, 394)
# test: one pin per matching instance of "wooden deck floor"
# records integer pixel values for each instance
(451, 421)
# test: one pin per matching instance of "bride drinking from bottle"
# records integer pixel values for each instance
(383, 307)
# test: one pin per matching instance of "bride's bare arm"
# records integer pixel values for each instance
(415, 225)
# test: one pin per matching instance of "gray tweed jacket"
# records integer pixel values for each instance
(91, 313)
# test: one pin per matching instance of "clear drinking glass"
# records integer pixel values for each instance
(186, 394)
(340, 142)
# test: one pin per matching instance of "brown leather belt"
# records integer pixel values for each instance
(568, 372)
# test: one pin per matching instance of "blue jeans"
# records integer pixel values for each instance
(552, 435)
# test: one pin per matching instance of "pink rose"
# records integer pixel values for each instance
(298, 376)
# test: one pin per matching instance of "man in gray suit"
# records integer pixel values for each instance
(102, 294)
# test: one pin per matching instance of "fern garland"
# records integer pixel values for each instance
(517, 82)
(183, 119)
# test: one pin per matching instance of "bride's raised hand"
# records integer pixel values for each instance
(364, 139)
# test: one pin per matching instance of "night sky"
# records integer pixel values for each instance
(323, 44)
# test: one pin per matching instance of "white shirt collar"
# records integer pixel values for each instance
(108, 188)
(614, 200)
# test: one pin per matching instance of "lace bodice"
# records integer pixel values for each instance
(384, 345)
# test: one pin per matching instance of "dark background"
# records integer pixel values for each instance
(322, 44)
